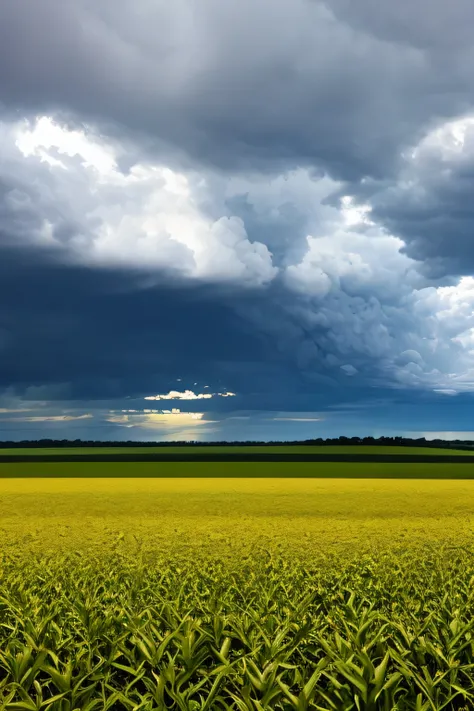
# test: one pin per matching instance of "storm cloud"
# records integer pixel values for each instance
(262, 84)
(269, 198)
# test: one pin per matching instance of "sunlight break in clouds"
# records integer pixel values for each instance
(165, 419)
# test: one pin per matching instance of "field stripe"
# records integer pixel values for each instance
(235, 470)
(244, 457)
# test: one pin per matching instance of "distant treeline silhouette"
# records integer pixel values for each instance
(355, 441)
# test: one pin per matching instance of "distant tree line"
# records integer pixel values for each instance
(379, 441)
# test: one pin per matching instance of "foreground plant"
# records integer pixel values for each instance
(385, 631)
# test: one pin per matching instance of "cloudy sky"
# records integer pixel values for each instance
(247, 220)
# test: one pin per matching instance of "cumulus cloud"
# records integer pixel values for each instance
(64, 189)
(363, 305)
(427, 204)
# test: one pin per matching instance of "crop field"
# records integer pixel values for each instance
(236, 470)
(203, 451)
(247, 594)
(252, 449)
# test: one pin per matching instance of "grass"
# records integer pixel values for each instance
(222, 594)
(236, 470)
(296, 449)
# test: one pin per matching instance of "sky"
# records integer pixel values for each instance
(236, 221)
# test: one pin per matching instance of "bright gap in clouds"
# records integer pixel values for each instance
(46, 136)
(167, 420)
(355, 214)
(449, 139)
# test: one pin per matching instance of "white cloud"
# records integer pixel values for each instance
(48, 418)
(176, 395)
(359, 297)
(188, 395)
(450, 140)
(147, 218)
(14, 410)
(353, 262)
(46, 136)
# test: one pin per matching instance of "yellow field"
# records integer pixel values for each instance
(308, 516)
(210, 594)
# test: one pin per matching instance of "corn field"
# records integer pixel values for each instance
(388, 633)
(137, 618)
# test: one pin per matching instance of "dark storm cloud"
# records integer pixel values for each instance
(430, 204)
(425, 24)
(71, 334)
(320, 88)
(105, 334)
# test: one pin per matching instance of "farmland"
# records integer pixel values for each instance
(237, 461)
(203, 450)
(237, 470)
(236, 593)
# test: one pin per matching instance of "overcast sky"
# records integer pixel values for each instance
(258, 213)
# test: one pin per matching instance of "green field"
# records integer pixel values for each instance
(245, 594)
(237, 470)
(296, 449)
